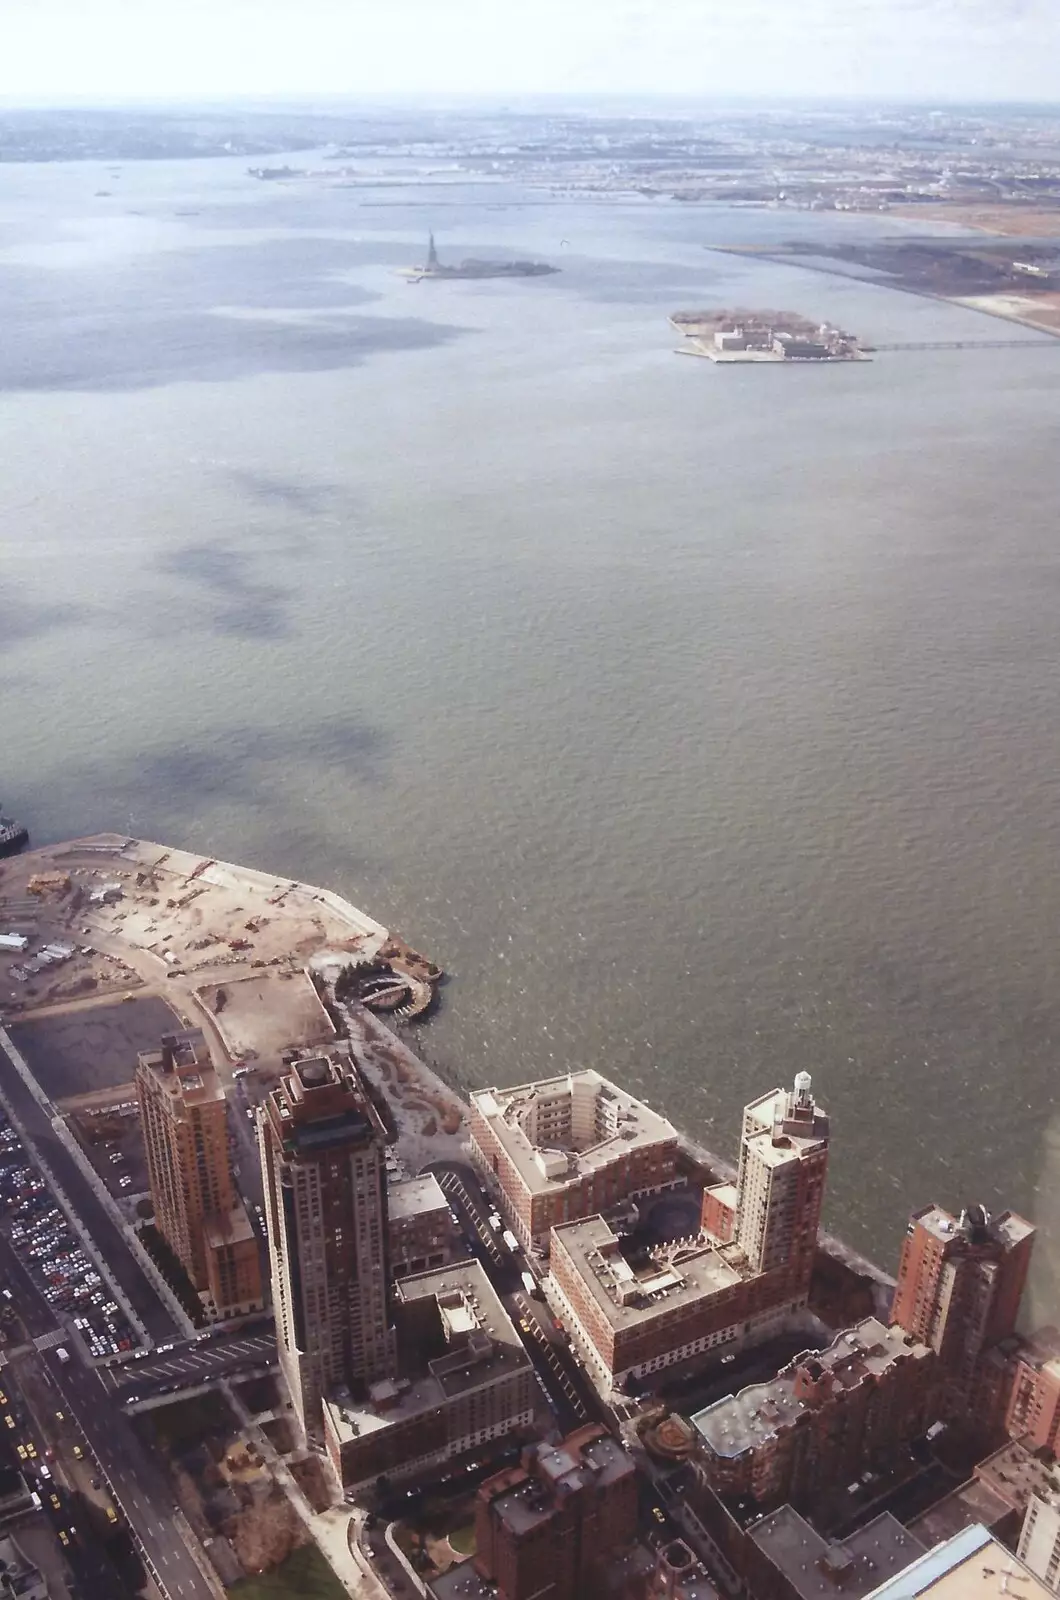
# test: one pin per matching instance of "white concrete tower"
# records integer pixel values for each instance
(780, 1186)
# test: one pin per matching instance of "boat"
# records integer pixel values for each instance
(14, 836)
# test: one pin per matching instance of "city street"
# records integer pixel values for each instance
(571, 1396)
(137, 1486)
(108, 1238)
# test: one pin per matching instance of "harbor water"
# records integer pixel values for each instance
(703, 722)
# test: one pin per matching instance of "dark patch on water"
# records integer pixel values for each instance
(189, 316)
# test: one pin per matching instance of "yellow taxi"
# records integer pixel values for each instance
(31, 1450)
(22, 1456)
(3, 1398)
(79, 1453)
(9, 1419)
(112, 1515)
(64, 1537)
(60, 1416)
(56, 1502)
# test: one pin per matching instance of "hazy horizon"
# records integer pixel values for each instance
(113, 53)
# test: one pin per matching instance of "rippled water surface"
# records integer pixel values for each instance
(703, 722)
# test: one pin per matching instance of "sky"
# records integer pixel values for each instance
(62, 51)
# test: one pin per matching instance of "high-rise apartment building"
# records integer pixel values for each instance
(746, 1277)
(323, 1164)
(780, 1183)
(197, 1210)
(959, 1285)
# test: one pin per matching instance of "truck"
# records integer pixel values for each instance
(510, 1240)
(63, 1354)
(529, 1283)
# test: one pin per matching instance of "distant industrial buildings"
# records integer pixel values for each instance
(566, 1148)
(198, 1211)
(635, 1312)
(462, 1378)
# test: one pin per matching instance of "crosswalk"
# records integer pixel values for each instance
(188, 1364)
(49, 1341)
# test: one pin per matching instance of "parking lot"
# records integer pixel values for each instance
(48, 1249)
(92, 1048)
(113, 1142)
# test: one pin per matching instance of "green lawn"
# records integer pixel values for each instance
(305, 1575)
(463, 1539)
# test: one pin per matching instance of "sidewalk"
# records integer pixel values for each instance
(329, 1529)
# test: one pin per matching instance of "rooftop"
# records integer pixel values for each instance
(559, 1129)
(461, 1582)
(524, 1498)
(182, 1066)
(675, 1275)
(818, 1570)
(975, 1224)
(742, 1421)
(414, 1196)
(973, 1565)
(477, 1341)
(973, 1504)
(321, 1103)
(785, 1124)
(1015, 1474)
(230, 1227)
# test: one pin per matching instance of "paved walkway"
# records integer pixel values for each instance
(329, 1529)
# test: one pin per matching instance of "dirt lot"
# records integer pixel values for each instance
(1008, 222)
(267, 1013)
(92, 1048)
(1033, 311)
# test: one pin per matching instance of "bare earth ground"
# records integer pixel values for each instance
(1033, 311)
(1009, 222)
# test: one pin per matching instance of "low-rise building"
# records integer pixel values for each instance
(789, 1560)
(567, 1148)
(823, 1420)
(464, 1379)
(544, 1527)
(973, 1565)
(420, 1226)
(635, 1315)
(996, 1496)
(15, 1494)
(19, 1578)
